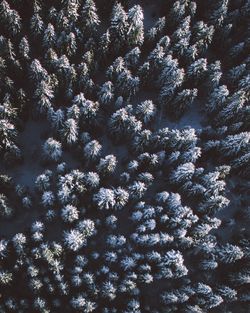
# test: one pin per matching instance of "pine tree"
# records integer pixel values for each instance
(43, 96)
(69, 132)
(49, 38)
(104, 46)
(241, 165)
(170, 78)
(48, 199)
(43, 181)
(71, 8)
(227, 293)
(37, 72)
(52, 149)
(127, 85)
(92, 150)
(181, 37)
(217, 99)
(89, 17)
(24, 48)
(197, 70)
(104, 198)
(155, 32)
(183, 173)
(234, 106)
(229, 253)
(107, 165)
(137, 189)
(202, 36)
(37, 24)
(176, 13)
(10, 17)
(119, 27)
(235, 145)
(7, 111)
(7, 134)
(69, 214)
(106, 93)
(121, 198)
(74, 239)
(146, 111)
(3, 249)
(219, 14)
(108, 290)
(89, 112)
(92, 180)
(81, 303)
(214, 74)
(142, 140)
(5, 278)
(132, 58)
(135, 34)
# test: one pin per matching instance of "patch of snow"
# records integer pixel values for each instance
(192, 118)
(30, 142)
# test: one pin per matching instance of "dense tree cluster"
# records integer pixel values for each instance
(140, 224)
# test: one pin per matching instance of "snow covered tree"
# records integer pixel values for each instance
(104, 198)
(52, 149)
(5, 278)
(107, 165)
(3, 249)
(43, 96)
(170, 78)
(146, 111)
(7, 134)
(48, 199)
(183, 173)
(89, 112)
(108, 290)
(218, 15)
(106, 93)
(49, 38)
(69, 132)
(81, 303)
(135, 34)
(214, 74)
(5, 209)
(127, 84)
(119, 27)
(137, 189)
(229, 253)
(11, 18)
(235, 145)
(202, 36)
(121, 198)
(24, 48)
(69, 213)
(89, 17)
(92, 180)
(36, 24)
(132, 58)
(234, 106)
(19, 242)
(43, 181)
(74, 239)
(197, 70)
(156, 30)
(92, 150)
(217, 99)
(37, 72)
